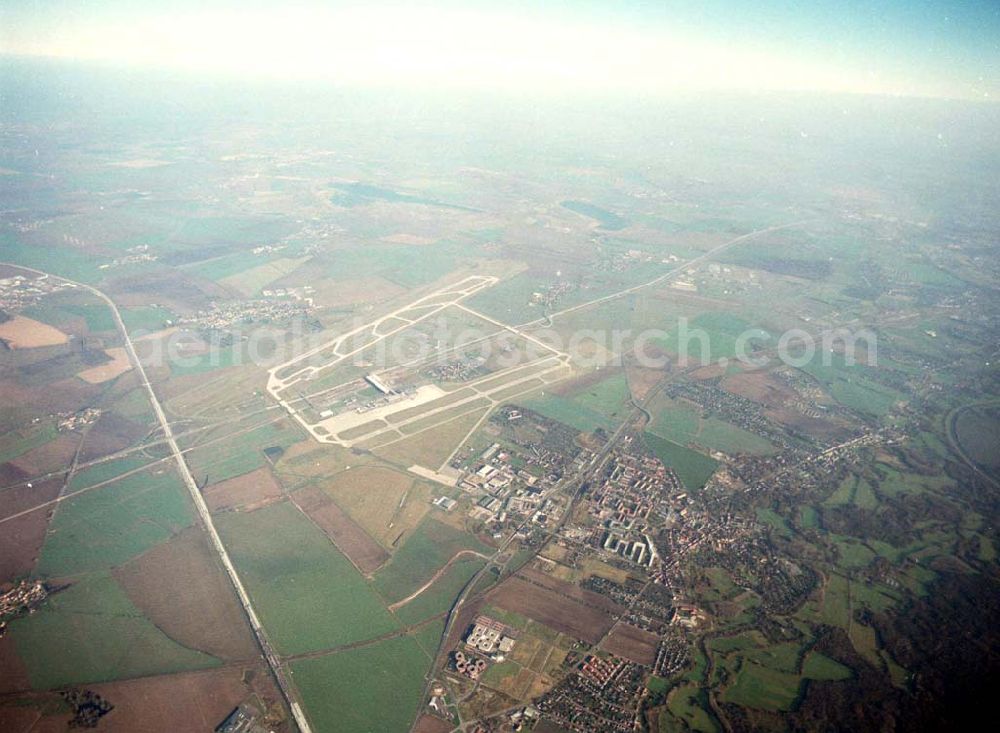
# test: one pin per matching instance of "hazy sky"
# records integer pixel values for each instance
(919, 47)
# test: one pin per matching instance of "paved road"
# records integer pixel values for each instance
(206, 518)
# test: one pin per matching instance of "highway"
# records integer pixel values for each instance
(206, 518)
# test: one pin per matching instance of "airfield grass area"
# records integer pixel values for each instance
(91, 632)
(241, 454)
(307, 593)
(430, 448)
(387, 702)
(384, 501)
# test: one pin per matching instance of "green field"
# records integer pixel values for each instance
(216, 358)
(146, 319)
(836, 601)
(17, 442)
(105, 472)
(763, 688)
(709, 337)
(820, 667)
(251, 281)
(91, 632)
(808, 517)
(196, 232)
(738, 642)
(241, 454)
(854, 386)
(65, 261)
(608, 397)
(134, 405)
(105, 527)
(218, 268)
(683, 422)
(569, 412)
(775, 520)
(779, 657)
(692, 468)
(429, 636)
(387, 702)
(423, 553)
(409, 267)
(851, 552)
(603, 404)
(439, 597)
(308, 595)
(607, 219)
(65, 308)
(690, 704)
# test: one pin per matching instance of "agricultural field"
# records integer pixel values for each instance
(105, 471)
(683, 422)
(17, 442)
(100, 529)
(692, 468)
(385, 502)
(423, 553)
(306, 592)
(794, 545)
(393, 671)
(441, 594)
(26, 333)
(91, 632)
(245, 491)
(551, 607)
(242, 453)
(181, 588)
(599, 407)
(359, 547)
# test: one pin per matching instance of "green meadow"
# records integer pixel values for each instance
(387, 702)
(308, 595)
(105, 527)
(92, 633)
